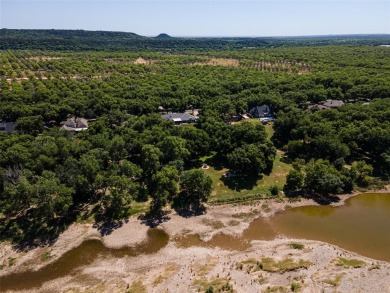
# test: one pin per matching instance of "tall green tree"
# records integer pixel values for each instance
(294, 181)
(52, 198)
(150, 160)
(30, 124)
(322, 178)
(174, 148)
(251, 159)
(166, 187)
(117, 200)
(195, 189)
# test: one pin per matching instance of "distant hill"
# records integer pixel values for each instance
(65, 39)
(163, 36)
(81, 40)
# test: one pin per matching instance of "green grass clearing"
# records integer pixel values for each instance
(137, 208)
(273, 266)
(349, 263)
(214, 285)
(296, 245)
(244, 186)
(295, 287)
(276, 289)
(335, 281)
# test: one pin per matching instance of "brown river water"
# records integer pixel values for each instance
(83, 255)
(361, 225)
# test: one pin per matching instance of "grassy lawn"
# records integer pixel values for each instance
(243, 186)
(235, 187)
(269, 129)
(137, 208)
(226, 188)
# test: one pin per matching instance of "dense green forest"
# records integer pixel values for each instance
(130, 156)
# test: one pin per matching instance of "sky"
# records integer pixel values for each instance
(202, 17)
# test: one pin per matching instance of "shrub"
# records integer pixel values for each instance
(274, 189)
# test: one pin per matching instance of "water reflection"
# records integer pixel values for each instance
(361, 225)
(259, 229)
(325, 211)
(82, 255)
(220, 240)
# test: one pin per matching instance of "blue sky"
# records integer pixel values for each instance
(202, 17)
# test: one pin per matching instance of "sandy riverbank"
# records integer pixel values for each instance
(179, 269)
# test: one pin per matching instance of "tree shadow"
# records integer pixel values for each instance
(153, 220)
(29, 231)
(107, 227)
(194, 164)
(285, 159)
(188, 213)
(239, 183)
(325, 199)
(218, 162)
(268, 169)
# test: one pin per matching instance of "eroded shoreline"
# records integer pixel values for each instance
(147, 268)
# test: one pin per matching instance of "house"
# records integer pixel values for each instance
(194, 112)
(265, 120)
(317, 107)
(161, 110)
(180, 118)
(260, 111)
(7, 126)
(235, 118)
(329, 104)
(74, 124)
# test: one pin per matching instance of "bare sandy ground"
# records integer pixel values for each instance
(141, 60)
(190, 269)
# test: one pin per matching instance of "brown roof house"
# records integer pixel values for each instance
(75, 124)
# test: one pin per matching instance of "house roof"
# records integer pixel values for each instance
(75, 124)
(194, 112)
(7, 126)
(261, 109)
(322, 107)
(179, 117)
(333, 103)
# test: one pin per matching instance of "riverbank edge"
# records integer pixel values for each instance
(133, 232)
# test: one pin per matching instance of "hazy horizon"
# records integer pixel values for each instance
(204, 36)
(201, 18)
